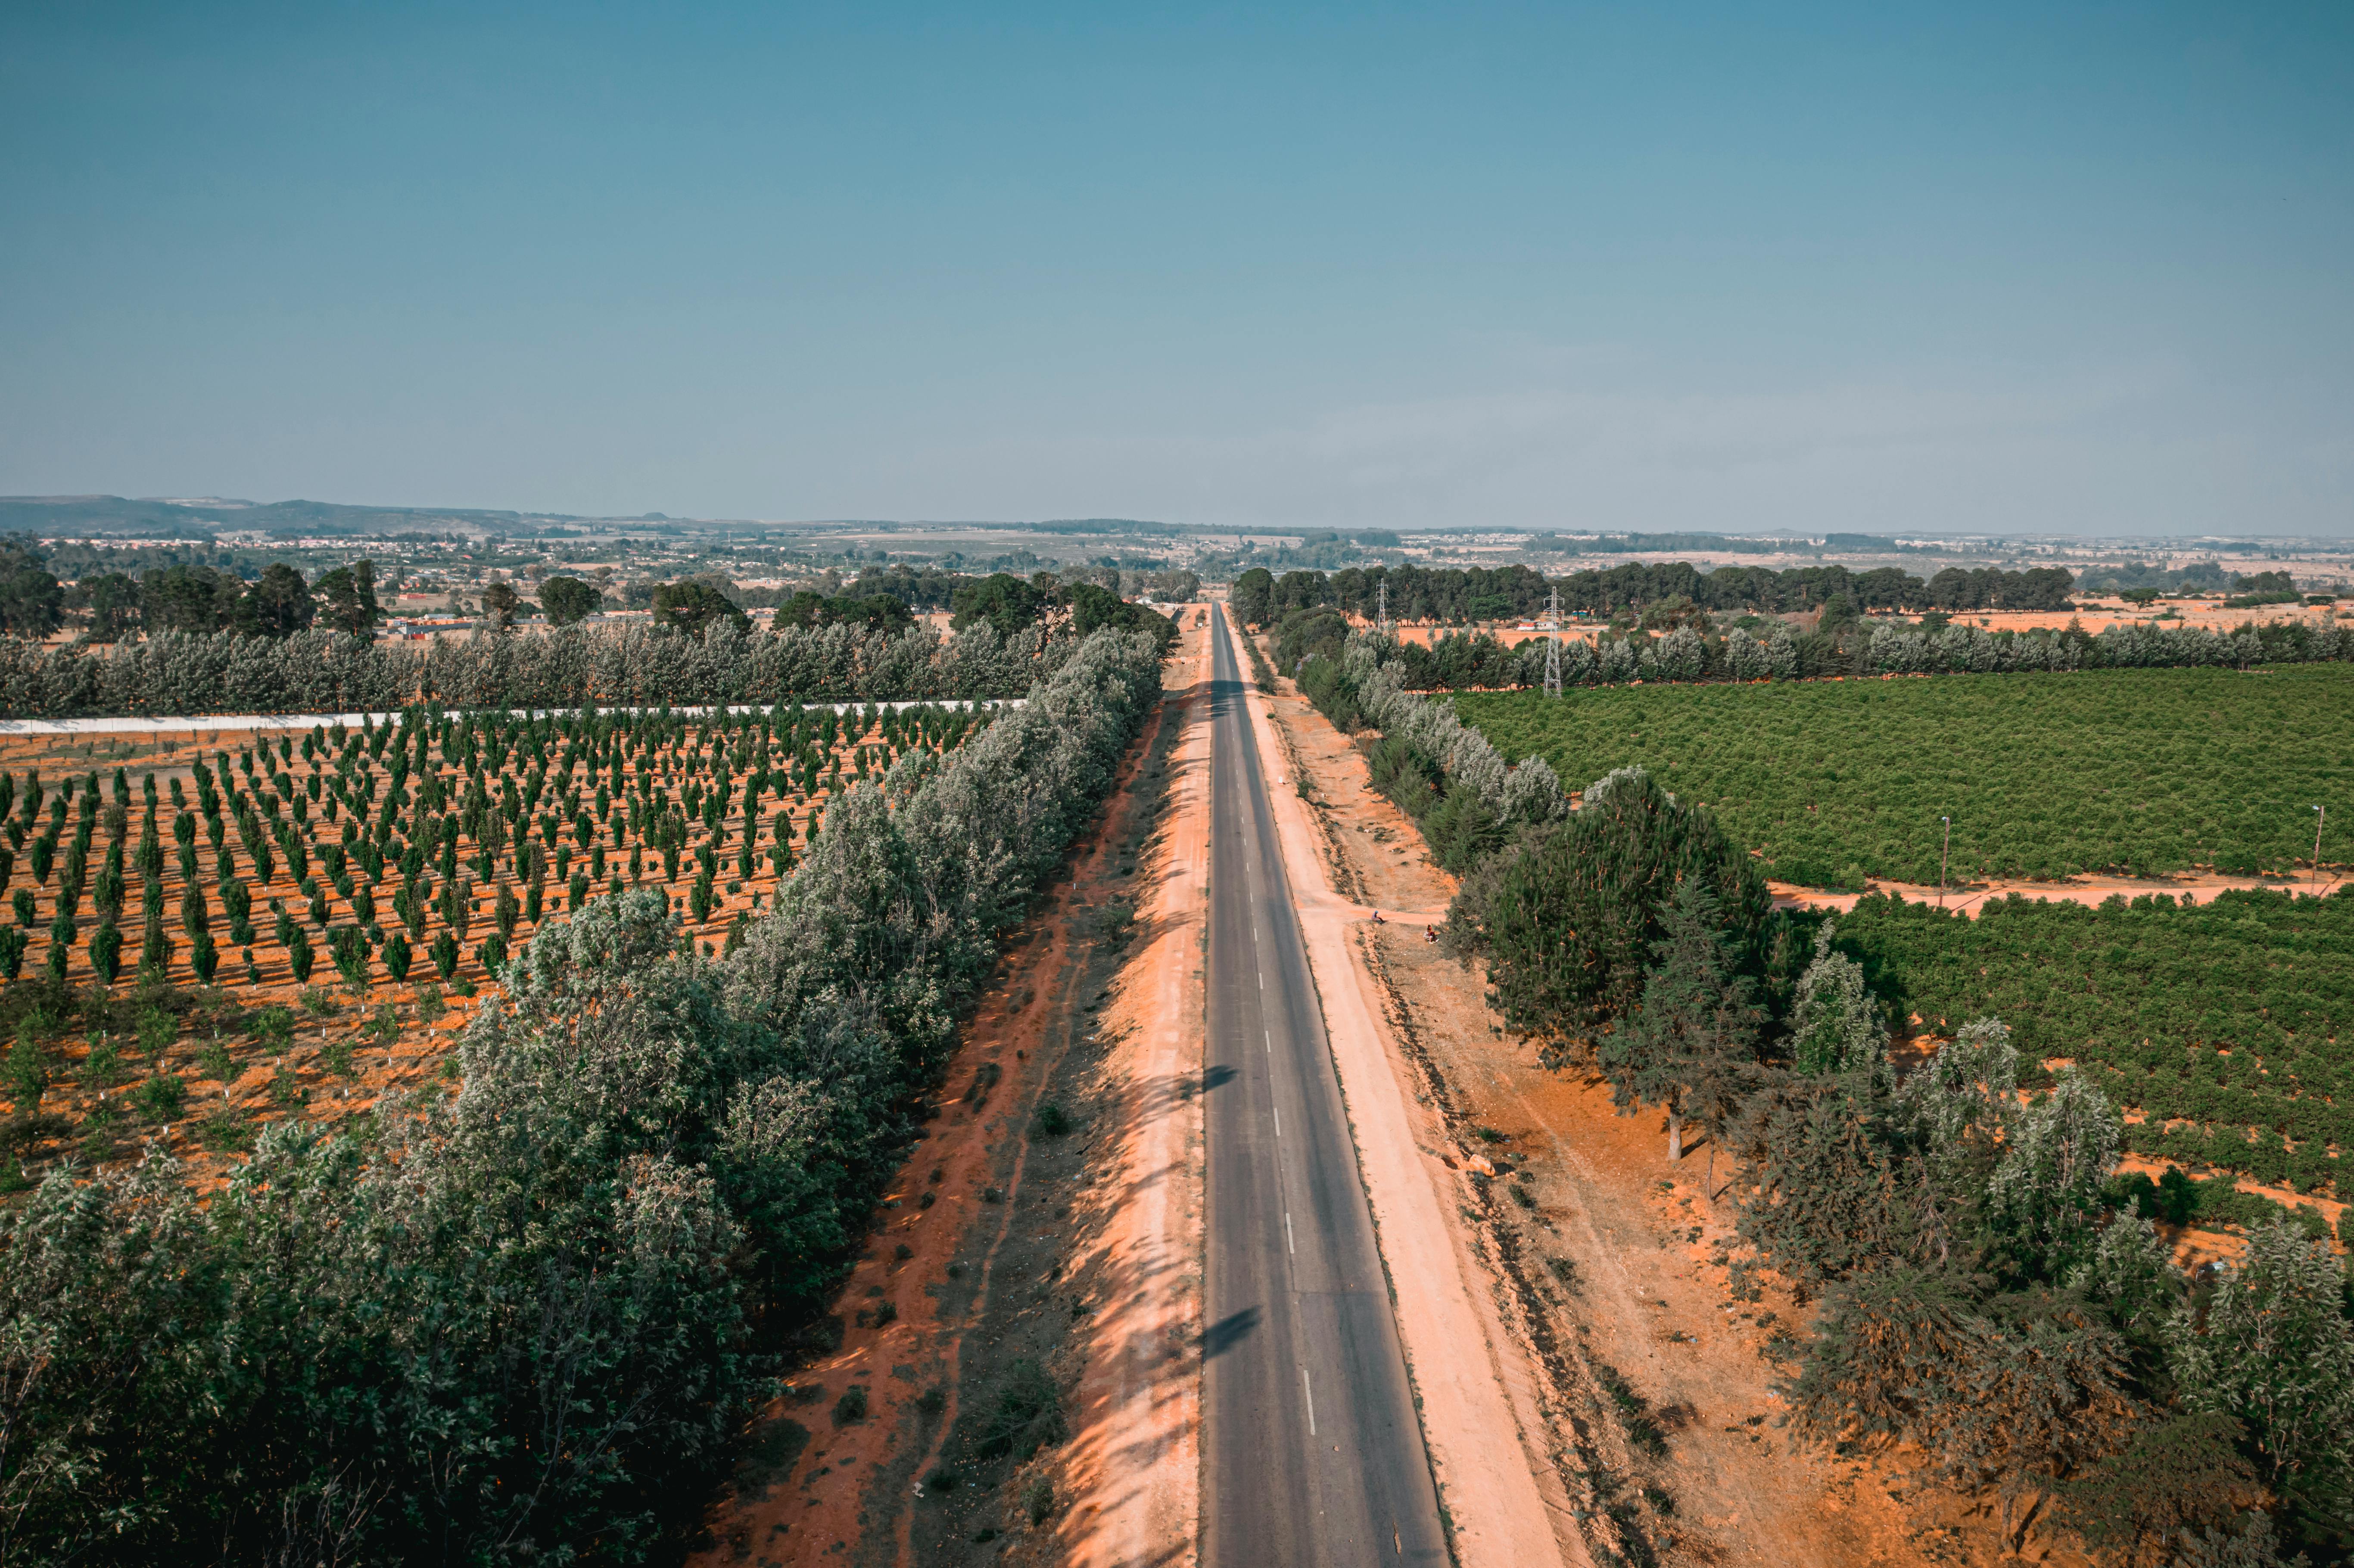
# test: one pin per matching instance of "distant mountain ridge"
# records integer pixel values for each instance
(161, 517)
(193, 517)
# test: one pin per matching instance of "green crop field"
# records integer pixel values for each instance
(2146, 771)
(2224, 1024)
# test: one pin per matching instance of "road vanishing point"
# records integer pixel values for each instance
(1313, 1453)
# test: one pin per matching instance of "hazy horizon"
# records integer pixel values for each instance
(1836, 270)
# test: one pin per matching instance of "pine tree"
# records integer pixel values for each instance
(1694, 1036)
(1572, 921)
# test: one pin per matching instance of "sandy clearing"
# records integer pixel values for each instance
(1485, 1457)
(1132, 1467)
(2093, 615)
(2192, 887)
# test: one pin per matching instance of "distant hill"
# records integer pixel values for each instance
(76, 516)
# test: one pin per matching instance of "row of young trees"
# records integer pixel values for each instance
(1994, 1293)
(636, 665)
(499, 803)
(525, 1325)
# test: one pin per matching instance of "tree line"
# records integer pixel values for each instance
(1679, 649)
(1457, 594)
(525, 1324)
(320, 671)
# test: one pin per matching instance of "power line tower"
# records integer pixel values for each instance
(1553, 645)
(1381, 616)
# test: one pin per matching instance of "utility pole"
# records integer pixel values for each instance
(1944, 850)
(1552, 644)
(2320, 815)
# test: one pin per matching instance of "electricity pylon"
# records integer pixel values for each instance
(1553, 645)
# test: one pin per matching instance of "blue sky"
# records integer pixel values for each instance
(1993, 267)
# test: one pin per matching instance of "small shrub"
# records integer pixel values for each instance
(161, 1097)
(275, 1026)
(942, 1480)
(851, 1407)
(317, 1001)
(1054, 1120)
(1038, 1500)
(102, 1066)
(1523, 1196)
(885, 1313)
(225, 1134)
(1028, 1414)
(931, 1402)
(216, 1061)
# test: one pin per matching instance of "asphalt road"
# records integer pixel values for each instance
(1312, 1452)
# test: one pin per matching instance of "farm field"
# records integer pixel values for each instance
(2223, 1026)
(198, 940)
(2141, 771)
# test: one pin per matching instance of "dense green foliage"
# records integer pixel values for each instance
(1994, 1296)
(2226, 1018)
(2142, 770)
(1012, 605)
(1678, 643)
(520, 1325)
(1570, 927)
(1496, 593)
(1446, 776)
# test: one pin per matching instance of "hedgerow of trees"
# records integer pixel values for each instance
(523, 1324)
(569, 667)
(1452, 594)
